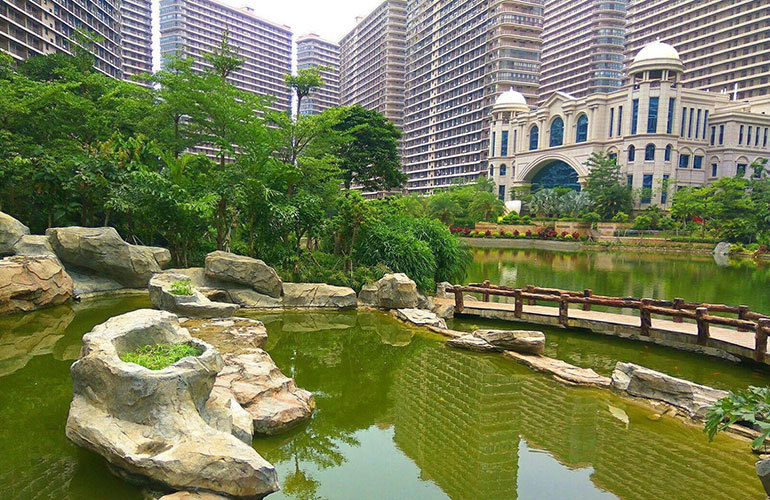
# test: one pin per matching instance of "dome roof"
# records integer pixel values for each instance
(657, 50)
(511, 97)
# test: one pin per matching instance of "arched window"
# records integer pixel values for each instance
(582, 129)
(649, 152)
(557, 132)
(667, 154)
(534, 132)
(631, 153)
(502, 169)
(491, 171)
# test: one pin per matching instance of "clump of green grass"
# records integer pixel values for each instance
(181, 288)
(159, 356)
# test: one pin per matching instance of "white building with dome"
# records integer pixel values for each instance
(663, 135)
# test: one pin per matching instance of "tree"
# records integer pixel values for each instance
(368, 150)
(605, 187)
(304, 82)
(487, 207)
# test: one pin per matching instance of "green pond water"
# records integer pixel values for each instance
(400, 416)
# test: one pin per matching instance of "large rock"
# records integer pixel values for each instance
(102, 250)
(151, 425)
(419, 317)
(244, 270)
(273, 400)
(229, 335)
(763, 472)
(561, 370)
(318, 295)
(34, 245)
(392, 291)
(11, 231)
(521, 341)
(196, 304)
(645, 383)
(29, 283)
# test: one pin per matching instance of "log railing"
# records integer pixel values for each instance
(678, 309)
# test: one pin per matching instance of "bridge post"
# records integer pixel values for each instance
(587, 293)
(518, 303)
(760, 338)
(678, 304)
(563, 309)
(703, 325)
(485, 296)
(742, 310)
(531, 289)
(645, 318)
(459, 305)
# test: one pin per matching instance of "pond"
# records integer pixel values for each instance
(629, 274)
(400, 416)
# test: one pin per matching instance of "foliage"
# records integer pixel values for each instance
(182, 288)
(160, 356)
(620, 217)
(653, 218)
(750, 407)
(464, 205)
(559, 202)
(605, 187)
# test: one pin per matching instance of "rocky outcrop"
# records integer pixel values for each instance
(35, 245)
(229, 335)
(645, 383)
(763, 472)
(11, 231)
(392, 291)
(102, 250)
(521, 341)
(445, 311)
(561, 370)
(318, 296)
(273, 400)
(244, 270)
(441, 290)
(151, 425)
(419, 317)
(196, 304)
(29, 283)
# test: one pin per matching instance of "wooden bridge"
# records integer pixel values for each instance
(710, 329)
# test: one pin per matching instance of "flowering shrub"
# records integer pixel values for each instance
(529, 233)
(488, 233)
(516, 233)
(575, 235)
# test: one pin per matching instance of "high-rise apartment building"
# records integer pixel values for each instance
(583, 43)
(372, 61)
(724, 44)
(194, 28)
(136, 34)
(313, 51)
(460, 56)
(35, 27)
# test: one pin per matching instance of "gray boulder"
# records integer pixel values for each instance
(392, 291)
(244, 270)
(228, 335)
(763, 471)
(521, 341)
(30, 283)
(102, 250)
(11, 231)
(318, 295)
(446, 311)
(441, 290)
(273, 400)
(152, 425)
(419, 317)
(645, 383)
(34, 245)
(196, 304)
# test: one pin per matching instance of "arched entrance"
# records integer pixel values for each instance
(555, 173)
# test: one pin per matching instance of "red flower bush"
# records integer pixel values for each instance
(576, 235)
(488, 233)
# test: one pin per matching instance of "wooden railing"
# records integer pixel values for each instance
(678, 309)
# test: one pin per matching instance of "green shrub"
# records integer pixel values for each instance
(510, 218)
(525, 220)
(643, 222)
(750, 406)
(159, 356)
(620, 217)
(591, 217)
(182, 287)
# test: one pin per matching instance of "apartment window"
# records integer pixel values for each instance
(630, 180)
(515, 139)
(491, 171)
(756, 137)
(652, 116)
(557, 132)
(634, 115)
(667, 154)
(740, 135)
(504, 145)
(533, 135)
(494, 137)
(646, 188)
(613, 157)
(689, 125)
(684, 121)
(721, 134)
(620, 120)
(713, 135)
(713, 170)
(664, 190)
(649, 152)
(582, 129)
(670, 121)
(741, 170)
(748, 136)
(684, 160)
(697, 162)
(612, 119)
(697, 125)
(631, 153)
(501, 192)
(705, 122)
(503, 170)
(764, 141)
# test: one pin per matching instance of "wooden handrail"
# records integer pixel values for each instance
(678, 309)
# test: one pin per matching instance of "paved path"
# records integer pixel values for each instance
(742, 339)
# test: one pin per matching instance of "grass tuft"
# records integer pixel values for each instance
(159, 356)
(181, 288)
